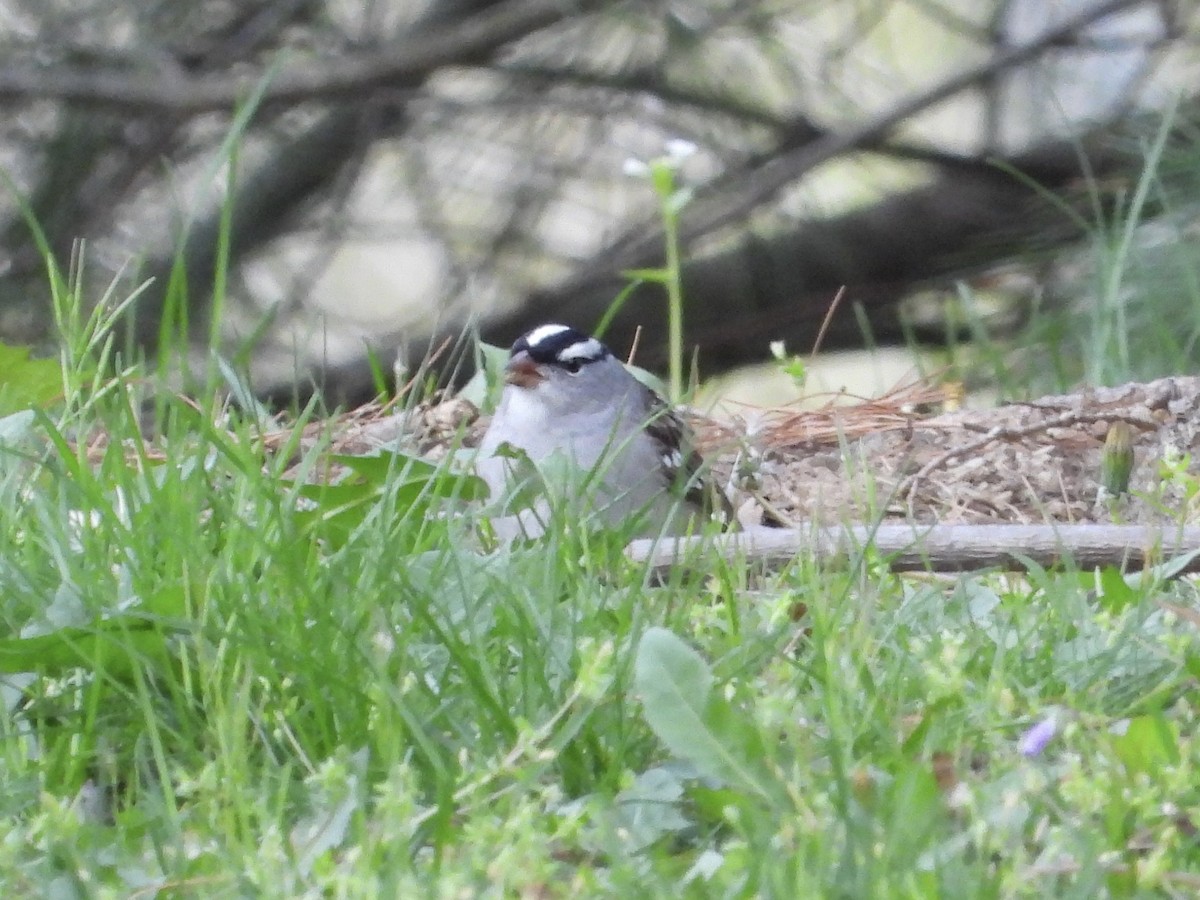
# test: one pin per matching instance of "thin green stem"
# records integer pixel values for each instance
(674, 306)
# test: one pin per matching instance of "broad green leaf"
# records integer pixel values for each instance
(1191, 662)
(26, 382)
(414, 484)
(650, 808)
(483, 389)
(377, 467)
(15, 426)
(112, 645)
(328, 825)
(169, 602)
(342, 493)
(675, 685)
(1164, 571)
(915, 805)
(1149, 743)
(1115, 592)
(413, 472)
(340, 508)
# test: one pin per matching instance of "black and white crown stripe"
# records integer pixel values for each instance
(560, 344)
(540, 334)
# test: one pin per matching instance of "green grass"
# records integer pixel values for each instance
(344, 695)
(1121, 305)
(219, 681)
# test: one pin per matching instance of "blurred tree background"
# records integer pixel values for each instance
(387, 171)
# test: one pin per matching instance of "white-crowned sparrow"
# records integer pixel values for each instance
(566, 397)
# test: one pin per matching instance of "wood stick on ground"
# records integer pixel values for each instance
(939, 548)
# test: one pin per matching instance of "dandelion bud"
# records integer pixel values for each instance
(1117, 459)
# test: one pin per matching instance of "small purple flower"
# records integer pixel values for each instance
(1035, 740)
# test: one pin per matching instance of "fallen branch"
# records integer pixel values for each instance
(939, 548)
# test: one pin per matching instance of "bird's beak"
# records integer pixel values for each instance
(523, 372)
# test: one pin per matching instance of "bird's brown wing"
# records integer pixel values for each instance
(682, 463)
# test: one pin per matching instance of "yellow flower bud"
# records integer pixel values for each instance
(1117, 459)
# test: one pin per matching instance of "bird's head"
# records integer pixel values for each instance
(565, 368)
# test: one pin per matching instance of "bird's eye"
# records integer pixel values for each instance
(572, 365)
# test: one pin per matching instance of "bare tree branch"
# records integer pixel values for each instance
(651, 83)
(735, 196)
(404, 63)
(301, 168)
(598, 75)
(971, 214)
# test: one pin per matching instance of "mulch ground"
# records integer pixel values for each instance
(903, 456)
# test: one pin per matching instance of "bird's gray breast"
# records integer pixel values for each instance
(603, 450)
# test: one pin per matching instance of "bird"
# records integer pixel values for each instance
(569, 405)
